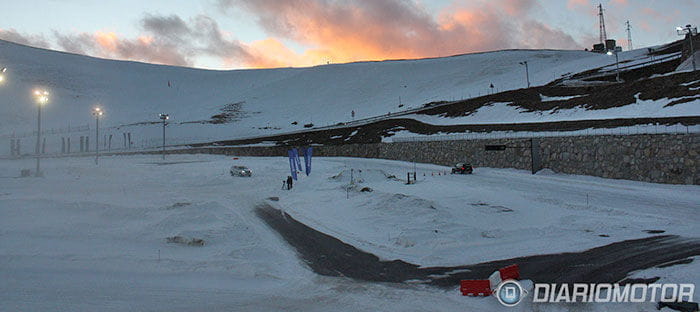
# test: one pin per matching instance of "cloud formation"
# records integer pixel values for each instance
(30, 40)
(165, 40)
(384, 29)
(328, 31)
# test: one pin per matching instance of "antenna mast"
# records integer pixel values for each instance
(629, 36)
(603, 35)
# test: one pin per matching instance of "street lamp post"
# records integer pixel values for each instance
(690, 32)
(164, 118)
(2, 79)
(617, 64)
(97, 112)
(527, 72)
(42, 97)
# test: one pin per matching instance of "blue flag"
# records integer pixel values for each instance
(292, 164)
(307, 160)
(296, 158)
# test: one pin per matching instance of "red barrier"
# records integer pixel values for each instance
(510, 272)
(475, 287)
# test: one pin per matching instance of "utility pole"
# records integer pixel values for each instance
(689, 31)
(42, 97)
(617, 64)
(692, 50)
(97, 112)
(603, 34)
(629, 36)
(38, 140)
(164, 118)
(527, 72)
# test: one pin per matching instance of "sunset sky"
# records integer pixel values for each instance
(234, 34)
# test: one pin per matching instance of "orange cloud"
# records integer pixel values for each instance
(390, 29)
(573, 4)
(329, 31)
(107, 40)
(111, 45)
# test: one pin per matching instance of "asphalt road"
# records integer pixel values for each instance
(327, 255)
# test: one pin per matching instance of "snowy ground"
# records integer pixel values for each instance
(88, 238)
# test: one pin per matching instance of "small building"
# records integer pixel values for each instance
(609, 45)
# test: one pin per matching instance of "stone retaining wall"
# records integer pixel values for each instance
(664, 158)
(661, 158)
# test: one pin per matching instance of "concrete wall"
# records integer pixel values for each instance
(662, 158)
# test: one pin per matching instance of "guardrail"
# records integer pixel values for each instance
(611, 69)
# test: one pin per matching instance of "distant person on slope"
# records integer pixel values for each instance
(290, 181)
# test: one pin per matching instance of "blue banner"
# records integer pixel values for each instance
(296, 158)
(307, 160)
(292, 164)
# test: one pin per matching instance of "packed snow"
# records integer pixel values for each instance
(87, 237)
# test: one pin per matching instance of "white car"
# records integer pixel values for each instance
(241, 171)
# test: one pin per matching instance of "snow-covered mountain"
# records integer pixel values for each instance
(135, 92)
(261, 102)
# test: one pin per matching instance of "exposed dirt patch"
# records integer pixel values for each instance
(197, 242)
(679, 87)
(231, 112)
(655, 231)
(374, 132)
(590, 97)
(178, 205)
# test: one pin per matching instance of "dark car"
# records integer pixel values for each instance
(462, 168)
(241, 171)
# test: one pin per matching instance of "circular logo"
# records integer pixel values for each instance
(509, 293)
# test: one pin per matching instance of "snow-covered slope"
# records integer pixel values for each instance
(270, 100)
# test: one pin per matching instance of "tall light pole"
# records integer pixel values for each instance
(2, 79)
(97, 112)
(689, 31)
(527, 72)
(617, 64)
(42, 97)
(164, 118)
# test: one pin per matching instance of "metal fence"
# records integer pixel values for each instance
(158, 142)
(46, 132)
